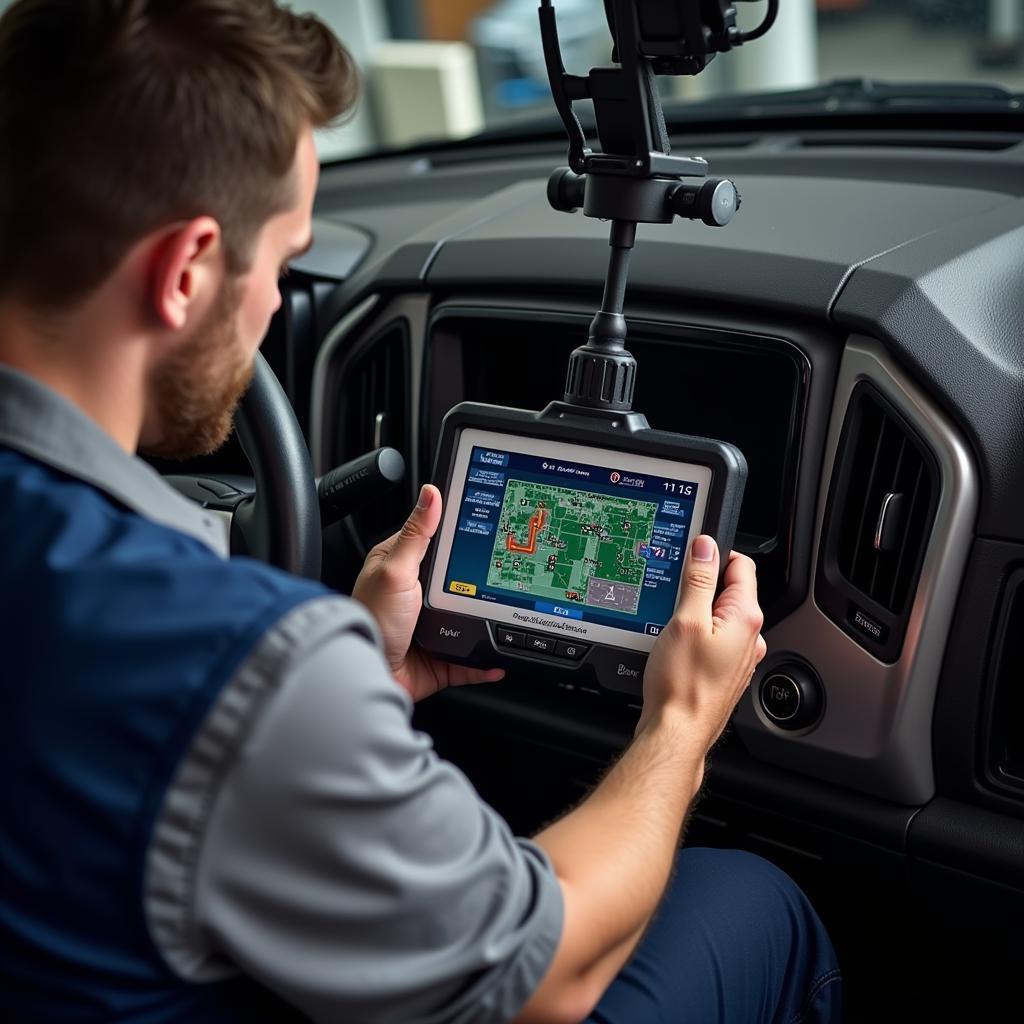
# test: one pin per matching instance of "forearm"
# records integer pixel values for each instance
(614, 853)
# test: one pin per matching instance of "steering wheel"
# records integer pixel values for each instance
(276, 515)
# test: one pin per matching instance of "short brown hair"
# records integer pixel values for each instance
(120, 116)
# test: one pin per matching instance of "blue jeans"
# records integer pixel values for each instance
(734, 942)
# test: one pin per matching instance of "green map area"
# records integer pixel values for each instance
(572, 547)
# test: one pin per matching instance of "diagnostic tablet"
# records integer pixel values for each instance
(559, 550)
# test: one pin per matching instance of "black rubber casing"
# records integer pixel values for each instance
(468, 640)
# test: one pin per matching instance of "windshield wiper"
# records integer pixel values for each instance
(841, 96)
(859, 95)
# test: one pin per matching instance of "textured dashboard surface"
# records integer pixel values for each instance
(789, 248)
(952, 305)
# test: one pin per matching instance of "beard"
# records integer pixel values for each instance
(195, 391)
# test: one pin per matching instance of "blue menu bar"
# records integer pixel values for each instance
(547, 608)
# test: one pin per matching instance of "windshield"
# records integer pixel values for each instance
(444, 69)
(450, 69)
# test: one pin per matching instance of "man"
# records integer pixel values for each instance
(214, 806)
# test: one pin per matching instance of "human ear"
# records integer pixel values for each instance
(186, 271)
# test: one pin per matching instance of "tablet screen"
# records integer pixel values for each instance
(575, 539)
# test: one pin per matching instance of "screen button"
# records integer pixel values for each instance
(653, 629)
(466, 589)
(572, 651)
(561, 610)
(540, 644)
(510, 638)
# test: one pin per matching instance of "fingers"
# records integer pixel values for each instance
(460, 675)
(737, 604)
(409, 545)
(699, 582)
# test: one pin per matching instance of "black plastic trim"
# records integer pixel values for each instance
(970, 839)
(592, 731)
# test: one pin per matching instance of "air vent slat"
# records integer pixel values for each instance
(389, 383)
(371, 396)
(915, 500)
(895, 488)
(872, 447)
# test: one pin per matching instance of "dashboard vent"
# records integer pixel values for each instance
(373, 403)
(1006, 719)
(880, 514)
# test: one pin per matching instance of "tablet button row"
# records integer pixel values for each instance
(535, 643)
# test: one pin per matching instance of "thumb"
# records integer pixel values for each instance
(700, 581)
(412, 541)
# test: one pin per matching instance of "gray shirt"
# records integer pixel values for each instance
(310, 837)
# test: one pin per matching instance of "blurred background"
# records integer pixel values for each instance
(451, 68)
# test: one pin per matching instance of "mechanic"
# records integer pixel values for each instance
(215, 807)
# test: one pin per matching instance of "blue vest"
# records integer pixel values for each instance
(116, 635)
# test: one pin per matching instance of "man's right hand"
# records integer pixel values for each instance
(613, 854)
(706, 655)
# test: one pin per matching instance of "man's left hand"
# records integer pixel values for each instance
(389, 585)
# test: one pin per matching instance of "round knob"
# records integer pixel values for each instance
(714, 201)
(566, 190)
(718, 202)
(791, 697)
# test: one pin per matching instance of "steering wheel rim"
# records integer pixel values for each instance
(280, 523)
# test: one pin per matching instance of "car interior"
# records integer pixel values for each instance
(856, 330)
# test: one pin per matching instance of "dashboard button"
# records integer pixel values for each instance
(780, 697)
(572, 651)
(510, 637)
(540, 644)
(792, 697)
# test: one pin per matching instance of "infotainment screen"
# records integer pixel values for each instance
(569, 538)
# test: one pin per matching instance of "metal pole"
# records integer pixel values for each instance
(623, 238)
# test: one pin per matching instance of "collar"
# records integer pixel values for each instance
(39, 423)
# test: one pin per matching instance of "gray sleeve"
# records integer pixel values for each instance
(315, 841)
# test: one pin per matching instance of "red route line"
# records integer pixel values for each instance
(536, 525)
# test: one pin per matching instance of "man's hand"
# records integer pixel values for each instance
(705, 656)
(389, 586)
(614, 852)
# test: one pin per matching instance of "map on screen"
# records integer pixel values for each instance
(567, 545)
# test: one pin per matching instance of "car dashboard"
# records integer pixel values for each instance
(857, 332)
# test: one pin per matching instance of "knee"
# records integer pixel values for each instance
(736, 870)
(742, 886)
(749, 912)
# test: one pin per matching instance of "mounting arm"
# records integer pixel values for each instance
(634, 178)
